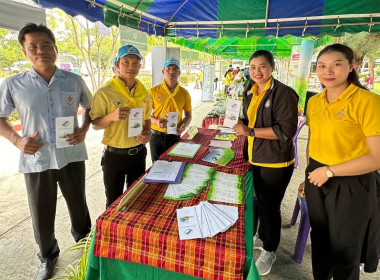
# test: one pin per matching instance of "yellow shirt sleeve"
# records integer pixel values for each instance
(99, 105)
(369, 118)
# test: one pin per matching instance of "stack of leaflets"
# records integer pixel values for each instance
(226, 187)
(195, 179)
(205, 220)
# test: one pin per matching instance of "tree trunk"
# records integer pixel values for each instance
(371, 65)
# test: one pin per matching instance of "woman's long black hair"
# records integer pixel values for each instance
(348, 53)
(269, 57)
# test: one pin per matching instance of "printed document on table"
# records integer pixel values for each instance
(164, 171)
(188, 225)
(172, 123)
(232, 112)
(135, 122)
(183, 149)
(221, 144)
(64, 126)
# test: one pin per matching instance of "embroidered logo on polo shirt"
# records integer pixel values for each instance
(117, 103)
(267, 104)
(340, 114)
(159, 99)
(69, 100)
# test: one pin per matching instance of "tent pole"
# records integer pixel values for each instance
(166, 48)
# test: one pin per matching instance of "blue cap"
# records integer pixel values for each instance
(127, 50)
(171, 61)
(114, 65)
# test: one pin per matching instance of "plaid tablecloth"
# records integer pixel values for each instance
(148, 233)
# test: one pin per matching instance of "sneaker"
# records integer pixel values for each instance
(265, 261)
(257, 243)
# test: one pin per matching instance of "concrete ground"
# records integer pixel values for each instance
(18, 250)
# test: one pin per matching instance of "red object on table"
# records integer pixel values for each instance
(207, 121)
(148, 233)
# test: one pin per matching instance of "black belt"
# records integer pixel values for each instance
(127, 151)
(158, 132)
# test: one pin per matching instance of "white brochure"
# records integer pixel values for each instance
(205, 220)
(172, 123)
(232, 112)
(188, 225)
(64, 126)
(135, 122)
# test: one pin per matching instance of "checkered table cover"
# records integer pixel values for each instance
(147, 232)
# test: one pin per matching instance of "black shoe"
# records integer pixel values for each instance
(45, 271)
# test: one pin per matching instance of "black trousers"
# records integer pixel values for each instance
(160, 143)
(339, 213)
(41, 188)
(270, 185)
(119, 170)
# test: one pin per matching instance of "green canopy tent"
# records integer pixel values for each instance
(237, 48)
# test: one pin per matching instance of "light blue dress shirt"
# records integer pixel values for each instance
(38, 104)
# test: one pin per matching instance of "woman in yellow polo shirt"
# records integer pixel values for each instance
(343, 153)
(270, 123)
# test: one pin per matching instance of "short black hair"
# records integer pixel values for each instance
(268, 56)
(34, 28)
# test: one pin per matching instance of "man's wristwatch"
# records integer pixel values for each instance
(329, 173)
(252, 132)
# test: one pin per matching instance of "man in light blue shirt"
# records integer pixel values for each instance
(41, 95)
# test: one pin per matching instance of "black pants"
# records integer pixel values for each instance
(116, 167)
(339, 214)
(160, 143)
(270, 185)
(41, 188)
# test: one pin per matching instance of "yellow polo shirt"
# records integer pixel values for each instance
(338, 130)
(158, 98)
(107, 100)
(252, 114)
(229, 79)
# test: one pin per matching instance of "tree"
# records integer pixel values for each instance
(10, 49)
(364, 44)
(81, 38)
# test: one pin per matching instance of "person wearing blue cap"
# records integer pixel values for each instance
(124, 157)
(115, 70)
(168, 97)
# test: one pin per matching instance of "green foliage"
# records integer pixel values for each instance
(155, 41)
(146, 80)
(185, 79)
(77, 270)
(363, 44)
(10, 49)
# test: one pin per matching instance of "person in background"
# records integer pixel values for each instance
(228, 80)
(167, 97)
(123, 160)
(269, 126)
(41, 96)
(343, 155)
(234, 72)
(369, 82)
(216, 83)
(201, 78)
